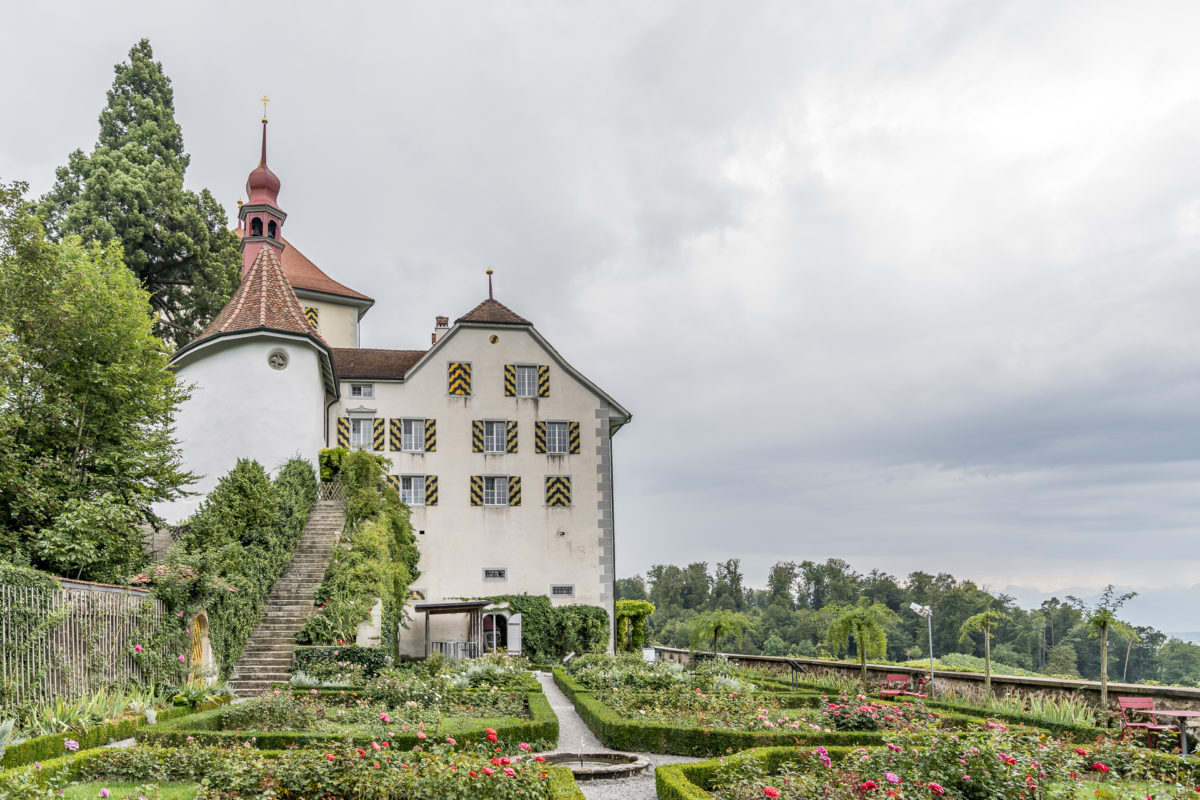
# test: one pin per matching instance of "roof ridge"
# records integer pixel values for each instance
(493, 311)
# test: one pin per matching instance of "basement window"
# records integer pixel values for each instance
(495, 573)
(562, 590)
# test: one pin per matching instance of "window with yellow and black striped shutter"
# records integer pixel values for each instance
(543, 380)
(378, 432)
(511, 442)
(514, 490)
(431, 490)
(539, 437)
(313, 315)
(394, 482)
(573, 437)
(510, 380)
(458, 378)
(476, 436)
(343, 431)
(395, 433)
(558, 491)
(476, 490)
(431, 436)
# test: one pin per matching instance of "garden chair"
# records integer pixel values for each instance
(894, 685)
(1131, 709)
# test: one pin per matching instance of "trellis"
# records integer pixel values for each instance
(68, 643)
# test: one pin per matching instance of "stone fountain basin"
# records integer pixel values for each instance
(598, 766)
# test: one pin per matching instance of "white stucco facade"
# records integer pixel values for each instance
(242, 407)
(336, 322)
(565, 553)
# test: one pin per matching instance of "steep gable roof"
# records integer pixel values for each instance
(304, 275)
(493, 312)
(354, 362)
(263, 300)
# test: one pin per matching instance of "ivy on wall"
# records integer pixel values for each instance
(377, 559)
(550, 632)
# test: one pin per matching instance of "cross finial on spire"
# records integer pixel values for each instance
(264, 100)
(489, 274)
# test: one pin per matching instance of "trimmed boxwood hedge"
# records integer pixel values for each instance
(562, 783)
(42, 748)
(203, 728)
(648, 736)
(687, 781)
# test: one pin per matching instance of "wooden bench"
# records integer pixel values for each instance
(896, 685)
(1131, 708)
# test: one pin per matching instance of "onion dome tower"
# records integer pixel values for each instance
(260, 218)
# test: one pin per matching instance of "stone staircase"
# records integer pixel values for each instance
(267, 657)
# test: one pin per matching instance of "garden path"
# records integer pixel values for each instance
(572, 731)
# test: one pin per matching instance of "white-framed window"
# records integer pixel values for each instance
(527, 381)
(495, 436)
(362, 390)
(412, 489)
(562, 590)
(412, 435)
(495, 490)
(556, 437)
(495, 573)
(361, 431)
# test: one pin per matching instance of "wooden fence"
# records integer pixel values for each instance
(68, 643)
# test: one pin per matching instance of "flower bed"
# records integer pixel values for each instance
(43, 748)
(993, 765)
(337, 772)
(675, 735)
(282, 720)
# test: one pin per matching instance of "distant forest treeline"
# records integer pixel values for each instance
(792, 615)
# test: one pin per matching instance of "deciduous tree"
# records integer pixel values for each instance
(85, 403)
(867, 623)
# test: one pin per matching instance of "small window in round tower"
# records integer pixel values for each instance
(277, 359)
(271, 229)
(256, 227)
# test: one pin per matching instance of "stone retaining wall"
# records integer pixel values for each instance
(963, 683)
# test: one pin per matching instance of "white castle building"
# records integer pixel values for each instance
(500, 447)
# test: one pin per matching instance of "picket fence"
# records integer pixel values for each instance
(69, 643)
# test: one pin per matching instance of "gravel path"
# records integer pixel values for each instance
(572, 731)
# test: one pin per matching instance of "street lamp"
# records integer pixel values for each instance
(927, 613)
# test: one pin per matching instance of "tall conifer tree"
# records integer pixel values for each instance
(130, 188)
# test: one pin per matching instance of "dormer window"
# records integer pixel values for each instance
(256, 227)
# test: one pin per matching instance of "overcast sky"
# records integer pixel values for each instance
(910, 284)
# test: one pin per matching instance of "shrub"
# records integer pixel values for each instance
(550, 632)
(371, 659)
(241, 540)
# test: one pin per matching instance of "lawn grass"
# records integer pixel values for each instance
(122, 790)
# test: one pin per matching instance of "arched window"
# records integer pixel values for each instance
(271, 229)
(256, 227)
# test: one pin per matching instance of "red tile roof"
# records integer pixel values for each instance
(494, 312)
(354, 362)
(264, 299)
(305, 275)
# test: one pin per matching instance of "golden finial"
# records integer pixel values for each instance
(264, 100)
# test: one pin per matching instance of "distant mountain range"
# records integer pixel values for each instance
(1170, 609)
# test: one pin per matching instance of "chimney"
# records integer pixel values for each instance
(440, 328)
